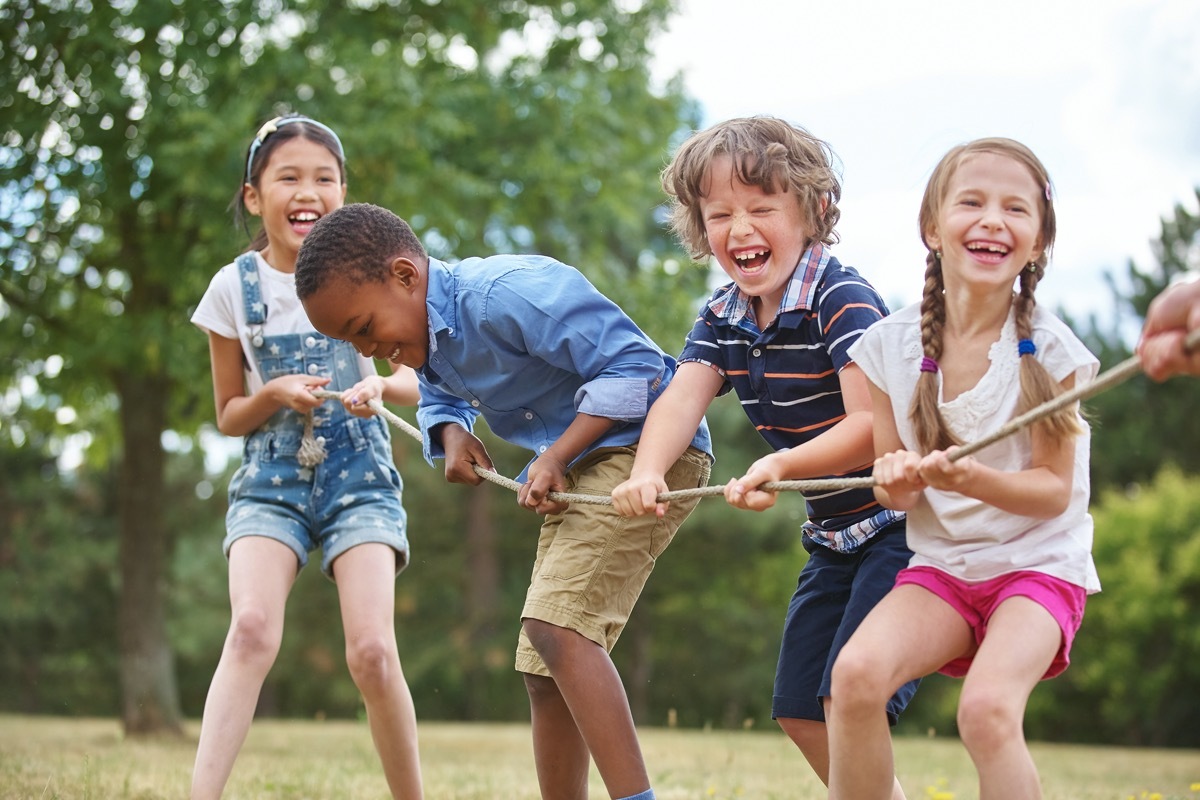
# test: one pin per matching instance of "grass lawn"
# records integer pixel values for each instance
(42, 758)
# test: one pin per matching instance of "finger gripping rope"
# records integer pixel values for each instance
(1106, 380)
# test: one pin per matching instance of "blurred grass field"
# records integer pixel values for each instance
(47, 758)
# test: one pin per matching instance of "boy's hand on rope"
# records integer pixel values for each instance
(296, 391)
(638, 495)
(744, 492)
(546, 474)
(357, 399)
(463, 452)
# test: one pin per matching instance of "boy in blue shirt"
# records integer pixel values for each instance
(556, 367)
(760, 196)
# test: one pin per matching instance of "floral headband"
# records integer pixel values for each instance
(273, 125)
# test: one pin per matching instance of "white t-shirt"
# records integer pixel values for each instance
(960, 535)
(223, 312)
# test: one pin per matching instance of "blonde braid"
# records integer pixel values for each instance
(1037, 384)
(931, 430)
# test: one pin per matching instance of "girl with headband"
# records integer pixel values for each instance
(314, 476)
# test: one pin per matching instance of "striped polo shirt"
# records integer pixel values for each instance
(787, 376)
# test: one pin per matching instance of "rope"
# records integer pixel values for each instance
(312, 448)
(1104, 381)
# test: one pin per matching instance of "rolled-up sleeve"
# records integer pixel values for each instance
(567, 323)
(626, 399)
(437, 407)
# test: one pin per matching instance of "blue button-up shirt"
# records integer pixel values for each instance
(528, 342)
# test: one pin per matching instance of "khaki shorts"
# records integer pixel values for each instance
(591, 562)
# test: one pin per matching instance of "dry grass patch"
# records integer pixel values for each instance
(44, 758)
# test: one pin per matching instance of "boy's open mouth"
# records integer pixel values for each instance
(751, 259)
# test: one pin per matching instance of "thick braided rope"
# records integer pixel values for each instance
(1106, 380)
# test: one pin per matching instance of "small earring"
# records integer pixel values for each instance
(937, 254)
(1032, 266)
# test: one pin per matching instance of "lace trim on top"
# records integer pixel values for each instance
(977, 411)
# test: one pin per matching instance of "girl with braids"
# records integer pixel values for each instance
(1002, 558)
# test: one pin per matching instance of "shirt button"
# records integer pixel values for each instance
(312, 369)
(528, 415)
(475, 403)
(310, 342)
(542, 449)
(756, 352)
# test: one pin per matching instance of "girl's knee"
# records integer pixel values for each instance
(372, 661)
(859, 678)
(252, 636)
(986, 719)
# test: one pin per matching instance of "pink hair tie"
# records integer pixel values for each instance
(928, 365)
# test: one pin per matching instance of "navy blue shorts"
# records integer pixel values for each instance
(833, 595)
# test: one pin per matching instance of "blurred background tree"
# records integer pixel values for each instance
(1141, 425)
(497, 126)
(510, 126)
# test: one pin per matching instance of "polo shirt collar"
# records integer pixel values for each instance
(732, 304)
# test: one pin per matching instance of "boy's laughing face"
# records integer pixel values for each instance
(384, 319)
(757, 238)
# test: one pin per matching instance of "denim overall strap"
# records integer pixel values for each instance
(256, 309)
(312, 448)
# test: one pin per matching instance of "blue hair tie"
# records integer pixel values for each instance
(1026, 347)
(271, 126)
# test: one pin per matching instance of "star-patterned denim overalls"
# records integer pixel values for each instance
(354, 495)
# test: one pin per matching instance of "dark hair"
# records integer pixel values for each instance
(270, 136)
(356, 242)
(769, 153)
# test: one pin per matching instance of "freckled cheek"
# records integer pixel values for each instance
(716, 238)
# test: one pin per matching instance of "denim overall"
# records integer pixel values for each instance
(353, 495)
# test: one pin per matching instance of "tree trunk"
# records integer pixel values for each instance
(483, 593)
(641, 671)
(149, 693)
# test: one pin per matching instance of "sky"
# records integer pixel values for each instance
(1105, 92)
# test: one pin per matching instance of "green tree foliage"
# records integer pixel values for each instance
(56, 541)
(1136, 662)
(500, 126)
(1140, 425)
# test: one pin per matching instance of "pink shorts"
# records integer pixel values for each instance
(976, 602)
